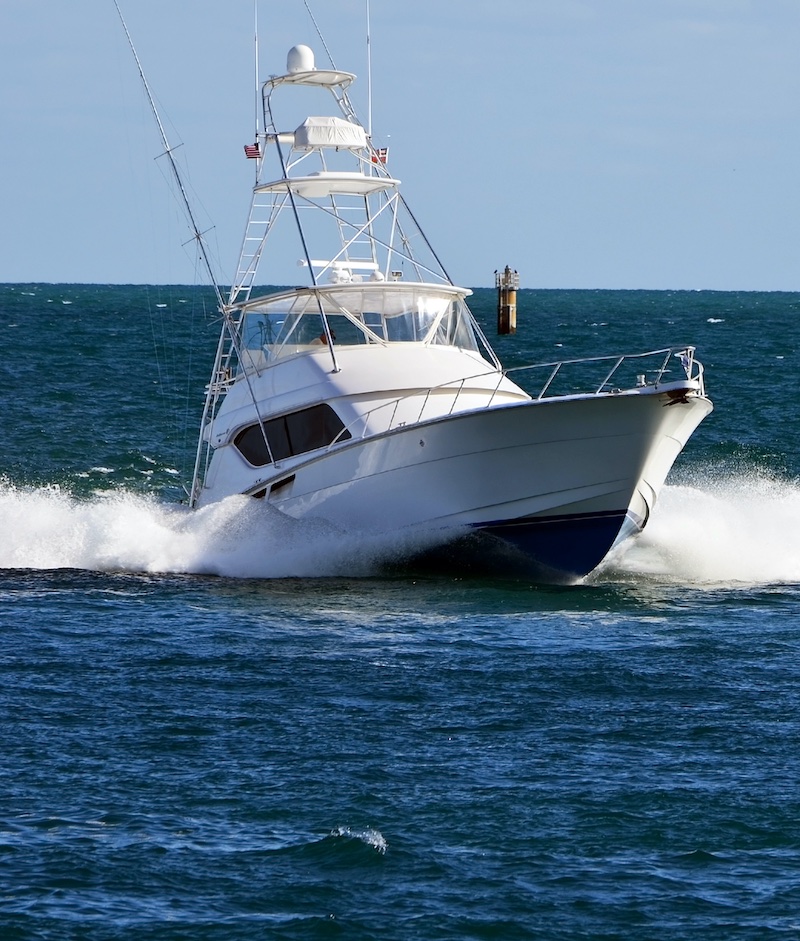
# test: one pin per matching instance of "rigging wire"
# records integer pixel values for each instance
(321, 37)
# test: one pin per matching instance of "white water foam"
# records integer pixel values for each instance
(48, 528)
(742, 529)
(369, 837)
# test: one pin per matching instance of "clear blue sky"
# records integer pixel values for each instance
(587, 143)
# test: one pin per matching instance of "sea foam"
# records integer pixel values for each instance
(742, 529)
(48, 528)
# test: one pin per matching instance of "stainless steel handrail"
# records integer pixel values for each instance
(692, 369)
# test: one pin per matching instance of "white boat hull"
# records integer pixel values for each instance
(551, 484)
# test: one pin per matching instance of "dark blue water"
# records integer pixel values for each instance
(322, 751)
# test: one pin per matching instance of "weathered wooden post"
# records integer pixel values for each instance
(507, 283)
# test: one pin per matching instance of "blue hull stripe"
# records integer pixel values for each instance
(562, 546)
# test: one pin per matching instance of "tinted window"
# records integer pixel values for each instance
(251, 442)
(297, 433)
(312, 428)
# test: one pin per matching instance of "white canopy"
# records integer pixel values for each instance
(326, 78)
(330, 183)
(329, 132)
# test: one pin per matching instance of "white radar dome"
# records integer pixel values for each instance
(300, 59)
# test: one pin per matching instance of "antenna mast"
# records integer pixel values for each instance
(258, 88)
(369, 81)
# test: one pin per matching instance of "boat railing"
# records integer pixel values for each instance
(615, 374)
(661, 359)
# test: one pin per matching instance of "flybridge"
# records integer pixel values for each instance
(333, 188)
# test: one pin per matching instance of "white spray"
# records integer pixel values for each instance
(743, 529)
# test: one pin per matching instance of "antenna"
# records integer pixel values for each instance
(258, 84)
(198, 235)
(369, 81)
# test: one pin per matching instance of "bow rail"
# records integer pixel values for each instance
(627, 373)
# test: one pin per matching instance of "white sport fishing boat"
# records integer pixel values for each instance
(370, 397)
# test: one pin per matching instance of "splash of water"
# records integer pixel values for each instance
(48, 528)
(369, 837)
(742, 529)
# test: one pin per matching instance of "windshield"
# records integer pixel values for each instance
(290, 324)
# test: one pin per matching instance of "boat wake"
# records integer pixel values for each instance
(743, 529)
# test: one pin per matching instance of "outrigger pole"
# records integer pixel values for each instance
(212, 390)
(198, 235)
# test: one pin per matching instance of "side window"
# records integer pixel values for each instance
(277, 437)
(312, 428)
(296, 433)
(250, 442)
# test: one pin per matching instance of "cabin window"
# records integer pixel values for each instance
(296, 433)
(358, 313)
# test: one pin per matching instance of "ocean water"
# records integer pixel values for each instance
(324, 750)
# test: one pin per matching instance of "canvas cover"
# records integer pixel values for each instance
(329, 132)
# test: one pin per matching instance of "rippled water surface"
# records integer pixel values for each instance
(324, 751)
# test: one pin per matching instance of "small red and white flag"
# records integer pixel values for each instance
(251, 151)
(381, 155)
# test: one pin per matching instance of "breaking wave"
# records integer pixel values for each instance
(370, 837)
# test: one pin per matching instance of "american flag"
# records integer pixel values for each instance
(380, 155)
(251, 151)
